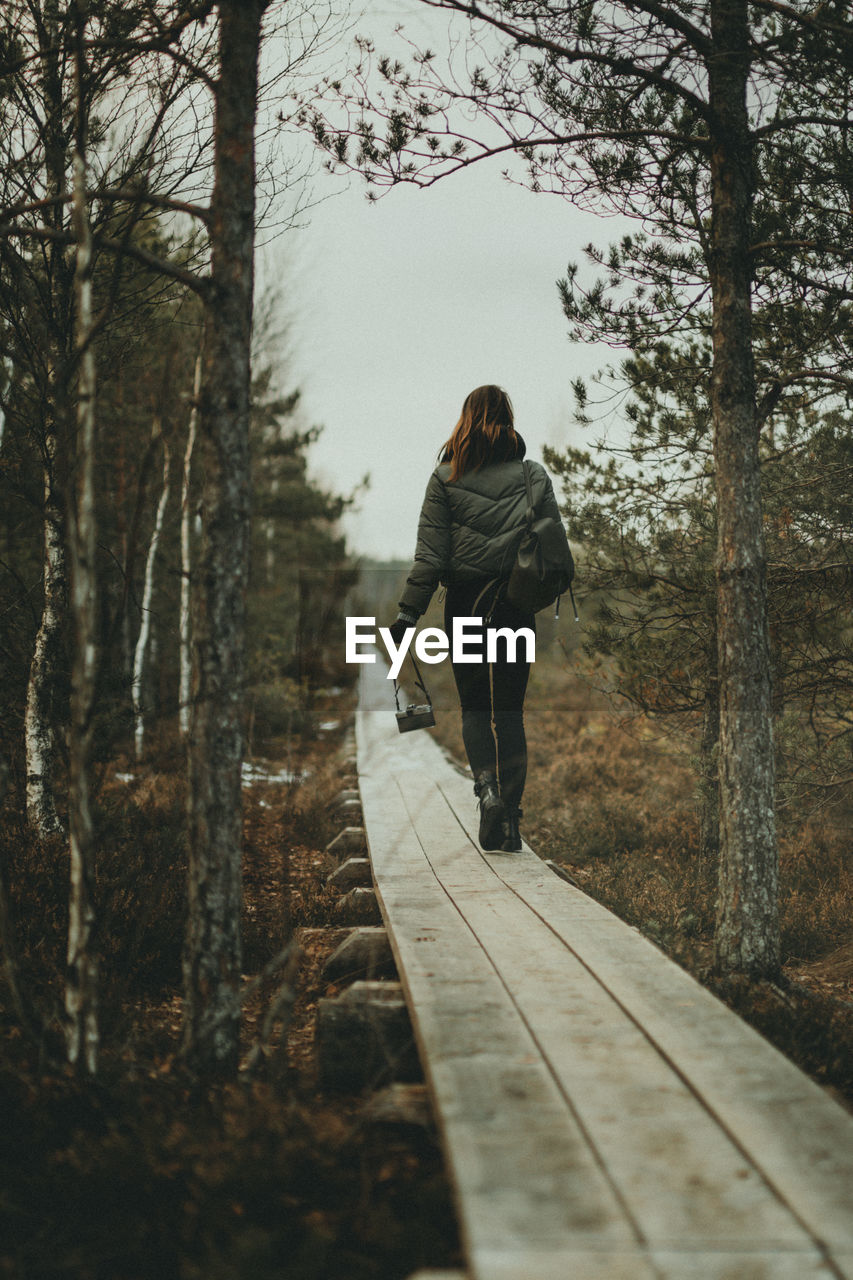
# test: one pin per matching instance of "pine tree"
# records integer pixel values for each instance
(665, 115)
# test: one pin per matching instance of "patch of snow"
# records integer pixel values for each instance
(260, 771)
(125, 777)
(328, 725)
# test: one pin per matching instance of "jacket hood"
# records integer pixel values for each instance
(505, 450)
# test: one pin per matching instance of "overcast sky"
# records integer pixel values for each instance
(402, 307)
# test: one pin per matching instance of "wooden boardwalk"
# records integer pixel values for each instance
(603, 1116)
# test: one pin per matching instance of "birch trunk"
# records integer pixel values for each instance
(45, 710)
(747, 939)
(141, 650)
(212, 957)
(47, 669)
(81, 990)
(27, 1016)
(9, 369)
(186, 559)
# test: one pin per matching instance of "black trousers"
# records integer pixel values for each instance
(491, 695)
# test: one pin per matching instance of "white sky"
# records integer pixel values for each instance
(402, 307)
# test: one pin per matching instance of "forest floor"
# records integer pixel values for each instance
(143, 1175)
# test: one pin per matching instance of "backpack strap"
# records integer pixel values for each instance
(499, 587)
(530, 514)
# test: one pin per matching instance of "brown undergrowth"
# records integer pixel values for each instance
(143, 1174)
(613, 799)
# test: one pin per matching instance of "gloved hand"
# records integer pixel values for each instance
(398, 629)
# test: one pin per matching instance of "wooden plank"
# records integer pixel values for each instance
(521, 1165)
(794, 1132)
(724, 1265)
(573, 1264)
(737, 1265)
(637, 1011)
(681, 1177)
(439, 1275)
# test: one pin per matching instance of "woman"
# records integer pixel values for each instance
(470, 526)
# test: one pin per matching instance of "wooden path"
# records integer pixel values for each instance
(603, 1116)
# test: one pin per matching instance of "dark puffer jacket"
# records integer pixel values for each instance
(470, 529)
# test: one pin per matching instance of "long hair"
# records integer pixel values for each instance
(486, 413)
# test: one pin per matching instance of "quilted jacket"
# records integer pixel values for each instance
(470, 529)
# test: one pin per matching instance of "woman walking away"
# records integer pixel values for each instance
(472, 520)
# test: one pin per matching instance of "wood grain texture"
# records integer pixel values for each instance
(520, 1163)
(793, 1132)
(677, 1172)
(603, 1115)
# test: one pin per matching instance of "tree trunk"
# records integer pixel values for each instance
(47, 684)
(141, 650)
(81, 990)
(48, 667)
(747, 938)
(709, 767)
(212, 958)
(186, 559)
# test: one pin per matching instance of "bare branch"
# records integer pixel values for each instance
(161, 266)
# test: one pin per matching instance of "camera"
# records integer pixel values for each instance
(415, 717)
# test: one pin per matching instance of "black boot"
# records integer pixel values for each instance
(511, 835)
(492, 812)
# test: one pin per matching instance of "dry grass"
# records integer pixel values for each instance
(817, 890)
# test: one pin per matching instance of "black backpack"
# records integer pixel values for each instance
(543, 567)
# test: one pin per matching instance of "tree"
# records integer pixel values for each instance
(185, 683)
(46, 669)
(61, 62)
(126, 153)
(662, 113)
(111, 82)
(140, 653)
(158, 56)
(645, 514)
(213, 956)
(81, 990)
(650, 518)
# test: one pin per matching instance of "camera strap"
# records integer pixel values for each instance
(419, 681)
(480, 608)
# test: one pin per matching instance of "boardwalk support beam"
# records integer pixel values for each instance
(352, 874)
(350, 840)
(359, 906)
(364, 953)
(364, 1038)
